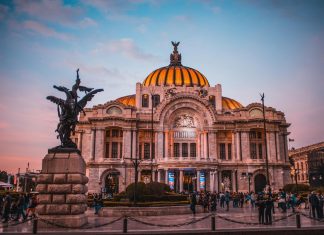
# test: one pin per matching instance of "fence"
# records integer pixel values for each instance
(125, 220)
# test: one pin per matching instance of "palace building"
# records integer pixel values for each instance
(186, 134)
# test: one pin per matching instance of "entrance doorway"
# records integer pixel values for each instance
(112, 183)
(260, 183)
(189, 181)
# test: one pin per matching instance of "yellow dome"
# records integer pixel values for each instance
(127, 100)
(227, 103)
(176, 74)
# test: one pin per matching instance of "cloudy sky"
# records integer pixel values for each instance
(248, 46)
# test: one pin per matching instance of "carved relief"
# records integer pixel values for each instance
(169, 93)
(185, 121)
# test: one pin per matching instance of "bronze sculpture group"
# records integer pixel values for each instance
(69, 109)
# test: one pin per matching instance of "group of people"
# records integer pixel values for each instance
(16, 208)
(264, 202)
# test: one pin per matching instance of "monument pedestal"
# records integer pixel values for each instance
(61, 187)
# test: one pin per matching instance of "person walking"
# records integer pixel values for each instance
(193, 203)
(32, 207)
(268, 209)
(261, 206)
(213, 202)
(314, 204)
(222, 199)
(227, 200)
(6, 207)
(21, 207)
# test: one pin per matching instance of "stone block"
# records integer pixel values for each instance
(59, 188)
(45, 178)
(75, 198)
(78, 209)
(41, 209)
(41, 188)
(85, 179)
(75, 178)
(59, 178)
(44, 198)
(57, 209)
(78, 188)
(58, 198)
(63, 163)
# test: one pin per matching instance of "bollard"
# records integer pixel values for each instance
(213, 223)
(125, 225)
(298, 220)
(35, 221)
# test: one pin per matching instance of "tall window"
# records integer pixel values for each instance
(146, 151)
(140, 151)
(145, 101)
(229, 151)
(212, 100)
(153, 151)
(222, 151)
(114, 150)
(193, 151)
(156, 100)
(114, 143)
(184, 149)
(176, 149)
(256, 144)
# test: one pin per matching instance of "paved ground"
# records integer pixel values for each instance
(243, 216)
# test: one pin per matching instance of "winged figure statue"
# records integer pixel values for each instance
(68, 110)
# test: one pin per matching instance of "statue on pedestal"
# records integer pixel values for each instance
(68, 111)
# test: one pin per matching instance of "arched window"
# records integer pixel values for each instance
(145, 100)
(156, 100)
(212, 100)
(114, 111)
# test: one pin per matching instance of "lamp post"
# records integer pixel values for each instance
(152, 106)
(136, 162)
(265, 141)
(296, 174)
(247, 175)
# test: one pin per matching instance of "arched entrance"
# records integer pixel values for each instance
(112, 183)
(260, 183)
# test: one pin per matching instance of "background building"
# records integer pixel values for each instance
(186, 134)
(309, 164)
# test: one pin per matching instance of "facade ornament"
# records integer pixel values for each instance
(227, 183)
(202, 93)
(169, 93)
(185, 121)
(175, 57)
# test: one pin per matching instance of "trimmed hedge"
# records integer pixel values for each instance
(144, 204)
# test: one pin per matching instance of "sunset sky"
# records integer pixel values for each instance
(248, 46)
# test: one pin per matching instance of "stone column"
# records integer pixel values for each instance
(171, 144)
(198, 181)
(62, 187)
(278, 146)
(93, 144)
(237, 146)
(233, 181)
(159, 176)
(139, 175)
(166, 176)
(198, 146)
(166, 145)
(211, 181)
(216, 181)
(153, 176)
(181, 180)
(233, 147)
(205, 145)
(80, 135)
(99, 144)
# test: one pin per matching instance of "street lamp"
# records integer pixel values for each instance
(136, 162)
(265, 141)
(247, 175)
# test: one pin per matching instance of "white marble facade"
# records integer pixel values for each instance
(201, 140)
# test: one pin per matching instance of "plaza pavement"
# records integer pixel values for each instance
(225, 224)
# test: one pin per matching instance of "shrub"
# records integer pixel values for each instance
(292, 188)
(140, 191)
(156, 188)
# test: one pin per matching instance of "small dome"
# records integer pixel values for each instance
(176, 74)
(229, 103)
(127, 100)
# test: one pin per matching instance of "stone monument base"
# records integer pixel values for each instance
(70, 221)
(62, 187)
